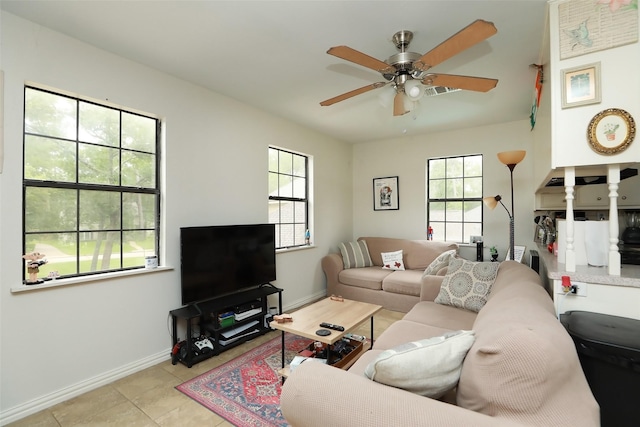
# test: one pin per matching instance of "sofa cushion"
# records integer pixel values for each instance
(403, 331)
(523, 356)
(516, 366)
(392, 260)
(467, 284)
(440, 262)
(366, 277)
(405, 282)
(428, 367)
(418, 254)
(355, 254)
(442, 316)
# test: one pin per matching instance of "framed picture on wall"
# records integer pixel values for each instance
(611, 131)
(581, 85)
(385, 194)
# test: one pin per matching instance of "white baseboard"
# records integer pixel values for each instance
(21, 411)
(307, 300)
(18, 412)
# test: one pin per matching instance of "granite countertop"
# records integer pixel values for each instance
(629, 274)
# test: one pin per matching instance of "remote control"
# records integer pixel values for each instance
(332, 326)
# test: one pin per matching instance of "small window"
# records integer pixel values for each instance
(91, 198)
(289, 197)
(454, 197)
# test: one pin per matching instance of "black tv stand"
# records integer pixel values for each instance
(196, 307)
(222, 337)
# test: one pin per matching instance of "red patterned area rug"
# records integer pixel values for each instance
(246, 390)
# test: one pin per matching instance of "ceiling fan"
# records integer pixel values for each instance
(408, 72)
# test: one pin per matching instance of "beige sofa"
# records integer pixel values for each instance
(522, 369)
(394, 290)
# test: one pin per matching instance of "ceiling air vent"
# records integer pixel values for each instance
(438, 90)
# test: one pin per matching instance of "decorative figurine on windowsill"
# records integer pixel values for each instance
(34, 261)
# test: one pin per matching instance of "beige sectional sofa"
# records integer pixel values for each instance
(521, 370)
(394, 290)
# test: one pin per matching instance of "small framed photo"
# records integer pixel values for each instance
(518, 253)
(385, 194)
(581, 85)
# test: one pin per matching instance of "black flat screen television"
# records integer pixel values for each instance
(220, 260)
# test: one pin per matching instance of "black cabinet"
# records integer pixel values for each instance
(251, 309)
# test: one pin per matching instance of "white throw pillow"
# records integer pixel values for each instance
(467, 284)
(429, 367)
(355, 254)
(439, 263)
(392, 260)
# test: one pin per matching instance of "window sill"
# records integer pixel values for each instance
(297, 248)
(93, 278)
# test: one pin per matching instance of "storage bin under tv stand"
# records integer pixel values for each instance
(207, 314)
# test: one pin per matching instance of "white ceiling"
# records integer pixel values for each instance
(272, 54)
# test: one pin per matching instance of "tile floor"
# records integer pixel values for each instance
(149, 397)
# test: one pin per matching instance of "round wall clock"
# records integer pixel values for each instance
(611, 131)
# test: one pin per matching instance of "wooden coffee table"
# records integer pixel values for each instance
(306, 321)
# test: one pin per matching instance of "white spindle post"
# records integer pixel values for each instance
(613, 179)
(569, 184)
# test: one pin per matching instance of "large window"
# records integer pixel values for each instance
(91, 195)
(454, 197)
(288, 196)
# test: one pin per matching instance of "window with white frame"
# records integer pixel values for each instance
(91, 196)
(454, 197)
(289, 197)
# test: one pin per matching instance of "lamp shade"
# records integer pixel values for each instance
(491, 202)
(511, 157)
(414, 89)
(386, 97)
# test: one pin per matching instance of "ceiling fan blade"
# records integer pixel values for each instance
(398, 104)
(360, 58)
(472, 34)
(352, 93)
(478, 84)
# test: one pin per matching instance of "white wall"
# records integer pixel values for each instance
(407, 159)
(620, 86)
(620, 301)
(63, 341)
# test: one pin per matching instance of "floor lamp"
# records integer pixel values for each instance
(511, 159)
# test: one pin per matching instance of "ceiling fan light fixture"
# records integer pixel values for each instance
(386, 97)
(405, 71)
(414, 90)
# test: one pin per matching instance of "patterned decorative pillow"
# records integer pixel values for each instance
(442, 261)
(392, 260)
(428, 367)
(467, 284)
(355, 254)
